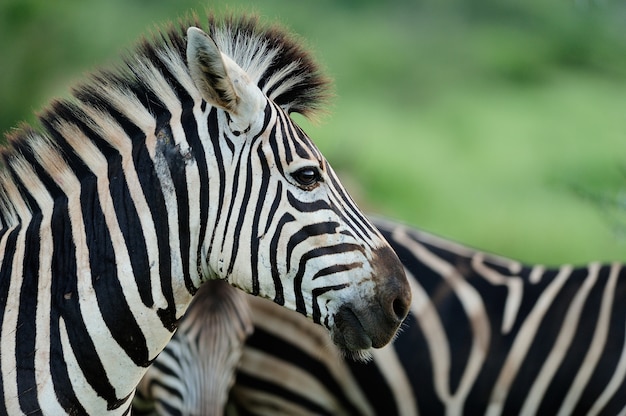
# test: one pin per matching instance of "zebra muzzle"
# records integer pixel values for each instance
(374, 322)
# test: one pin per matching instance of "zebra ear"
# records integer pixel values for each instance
(218, 78)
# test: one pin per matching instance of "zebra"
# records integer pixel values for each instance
(485, 335)
(218, 320)
(179, 166)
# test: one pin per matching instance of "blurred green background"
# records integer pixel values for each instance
(500, 124)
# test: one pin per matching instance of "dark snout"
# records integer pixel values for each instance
(375, 322)
(394, 297)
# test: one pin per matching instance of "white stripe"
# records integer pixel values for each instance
(524, 339)
(438, 347)
(45, 388)
(613, 385)
(9, 323)
(88, 398)
(597, 346)
(536, 274)
(513, 284)
(561, 345)
(474, 309)
(113, 357)
(113, 133)
(156, 335)
(387, 361)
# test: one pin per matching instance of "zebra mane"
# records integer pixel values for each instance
(273, 59)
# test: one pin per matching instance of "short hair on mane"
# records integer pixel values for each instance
(273, 58)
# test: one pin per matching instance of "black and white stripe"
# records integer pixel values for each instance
(226, 323)
(178, 167)
(485, 335)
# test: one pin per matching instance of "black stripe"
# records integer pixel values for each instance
(267, 342)
(412, 350)
(147, 176)
(449, 307)
(169, 409)
(255, 231)
(106, 283)
(274, 206)
(272, 389)
(349, 213)
(231, 205)
(615, 405)
(190, 127)
(615, 342)
(309, 206)
(126, 213)
(578, 347)
(285, 140)
(315, 253)
(214, 135)
(279, 298)
(5, 279)
(65, 296)
(165, 367)
(176, 162)
(316, 314)
(337, 268)
(273, 141)
(410, 344)
(80, 341)
(379, 395)
(547, 333)
(25, 331)
(155, 200)
(26, 325)
(303, 146)
(242, 214)
(306, 232)
(243, 209)
(132, 231)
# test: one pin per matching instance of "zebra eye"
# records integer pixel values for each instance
(307, 177)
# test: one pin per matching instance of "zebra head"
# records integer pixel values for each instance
(281, 225)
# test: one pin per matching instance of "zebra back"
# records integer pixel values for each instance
(485, 335)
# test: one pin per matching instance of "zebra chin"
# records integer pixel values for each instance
(356, 340)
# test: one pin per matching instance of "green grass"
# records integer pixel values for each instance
(484, 121)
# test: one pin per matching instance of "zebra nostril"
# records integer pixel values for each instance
(395, 294)
(400, 308)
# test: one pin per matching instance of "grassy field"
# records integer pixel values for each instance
(498, 124)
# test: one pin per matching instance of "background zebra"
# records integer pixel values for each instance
(485, 335)
(209, 340)
(178, 167)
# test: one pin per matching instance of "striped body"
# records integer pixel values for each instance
(485, 335)
(179, 167)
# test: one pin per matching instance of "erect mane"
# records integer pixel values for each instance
(272, 58)
(275, 60)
